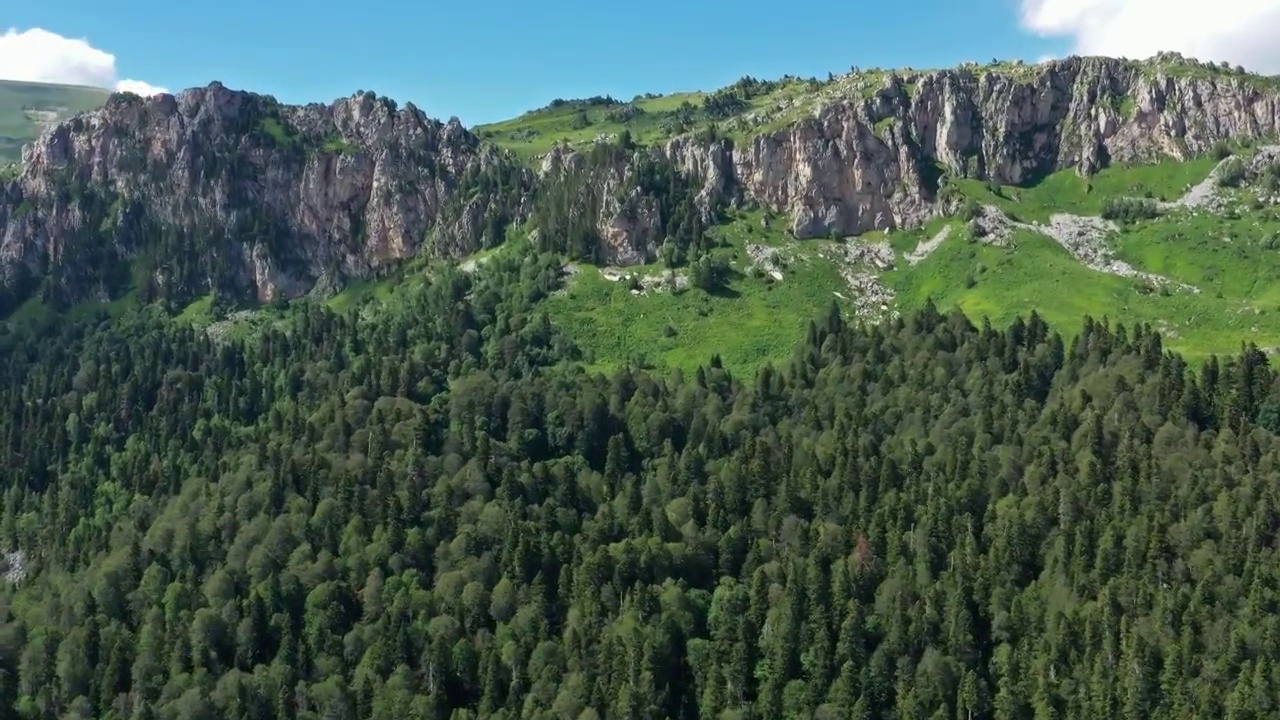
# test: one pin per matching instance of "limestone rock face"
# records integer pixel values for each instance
(218, 190)
(871, 163)
(266, 199)
(709, 166)
(602, 191)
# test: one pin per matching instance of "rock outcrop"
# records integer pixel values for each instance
(602, 188)
(218, 189)
(627, 202)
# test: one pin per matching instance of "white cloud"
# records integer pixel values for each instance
(38, 55)
(139, 87)
(1245, 32)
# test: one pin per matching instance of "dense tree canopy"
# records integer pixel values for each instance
(431, 512)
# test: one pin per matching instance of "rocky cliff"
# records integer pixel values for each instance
(220, 190)
(215, 189)
(619, 204)
(874, 162)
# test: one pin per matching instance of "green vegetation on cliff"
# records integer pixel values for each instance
(751, 107)
(651, 119)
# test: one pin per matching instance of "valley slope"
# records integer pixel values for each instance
(297, 425)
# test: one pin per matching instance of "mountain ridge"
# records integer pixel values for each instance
(362, 179)
(232, 193)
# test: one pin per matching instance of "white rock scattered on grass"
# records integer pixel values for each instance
(1086, 239)
(13, 566)
(992, 226)
(860, 264)
(1204, 194)
(766, 258)
(1083, 237)
(926, 247)
(665, 280)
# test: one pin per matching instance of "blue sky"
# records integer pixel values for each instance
(492, 60)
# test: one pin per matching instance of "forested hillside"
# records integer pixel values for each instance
(428, 512)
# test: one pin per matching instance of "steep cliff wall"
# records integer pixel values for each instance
(873, 163)
(217, 189)
(229, 191)
(619, 204)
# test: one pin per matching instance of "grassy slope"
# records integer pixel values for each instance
(1231, 259)
(20, 102)
(756, 320)
(536, 132)
(1036, 274)
(1069, 192)
(752, 320)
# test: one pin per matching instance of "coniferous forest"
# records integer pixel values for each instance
(433, 512)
